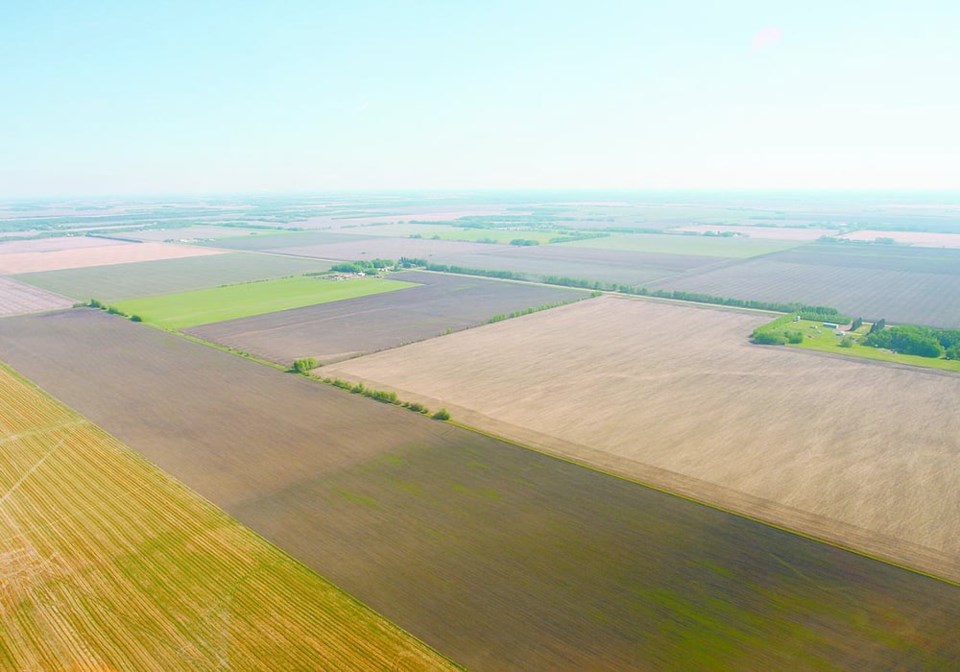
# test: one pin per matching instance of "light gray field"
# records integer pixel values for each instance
(17, 298)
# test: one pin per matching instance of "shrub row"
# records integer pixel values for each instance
(386, 397)
(113, 310)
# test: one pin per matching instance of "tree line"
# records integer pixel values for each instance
(909, 339)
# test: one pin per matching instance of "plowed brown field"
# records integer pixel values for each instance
(865, 454)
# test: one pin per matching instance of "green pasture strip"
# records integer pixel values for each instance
(704, 246)
(206, 306)
(821, 338)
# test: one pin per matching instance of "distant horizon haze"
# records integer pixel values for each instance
(193, 98)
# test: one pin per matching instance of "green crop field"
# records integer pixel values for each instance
(447, 232)
(705, 246)
(206, 306)
(109, 564)
(818, 337)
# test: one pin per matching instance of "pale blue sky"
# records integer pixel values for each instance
(125, 97)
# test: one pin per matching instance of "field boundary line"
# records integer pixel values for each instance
(716, 506)
(950, 576)
(171, 482)
(903, 366)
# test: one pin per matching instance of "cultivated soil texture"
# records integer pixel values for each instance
(269, 241)
(609, 266)
(54, 244)
(192, 234)
(125, 281)
(357, 247)
(106, 563)
(335, 331)
(900, 284)
(708, 246)
(655, 390)
(498, 556)
(102, 255)
(17, 298)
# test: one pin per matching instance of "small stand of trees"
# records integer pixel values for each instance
(304, 366)
(113, 310)
(362, 266)
(910, 339)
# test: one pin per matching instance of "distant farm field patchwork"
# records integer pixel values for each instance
(900, 284)
(498, 556)
(205, 306)
(918, 238)
(82, 257)
(360, 247)
(448, 232)
(636, 384)
(109, 564)
(126, 281)
(709, 246)
(17, 298)
(798, 234)
(333, 331)
(608, 266)
(272, 240)
(199, 233)
(54, 244)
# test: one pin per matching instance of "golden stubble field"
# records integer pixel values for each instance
(108, 564)
(862, 454)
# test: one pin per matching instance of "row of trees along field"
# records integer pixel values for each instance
(909, 339)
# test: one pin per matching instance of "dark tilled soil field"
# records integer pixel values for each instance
(900, 284)
(500, 557)
(613, 266)
(128, 281)
(335, 331)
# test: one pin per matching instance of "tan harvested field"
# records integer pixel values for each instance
(864, 454)
(102, 255)
(917, 238)
(17, 298)
(106, 563)
(771, 232)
